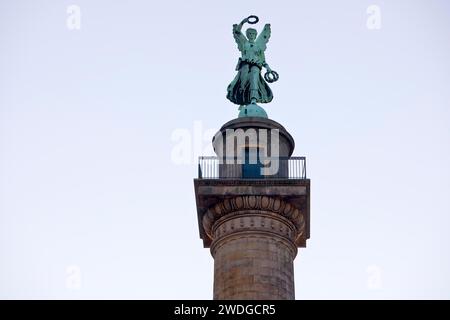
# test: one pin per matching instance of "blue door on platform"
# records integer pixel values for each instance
(251, 169)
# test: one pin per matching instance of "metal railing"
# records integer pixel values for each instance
(211, 167)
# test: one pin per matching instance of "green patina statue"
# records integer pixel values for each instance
(249, 87)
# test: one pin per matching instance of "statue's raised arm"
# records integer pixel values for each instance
(238, 36)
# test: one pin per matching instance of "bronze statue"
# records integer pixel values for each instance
(249, 87)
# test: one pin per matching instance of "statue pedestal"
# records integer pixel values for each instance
(252, 110)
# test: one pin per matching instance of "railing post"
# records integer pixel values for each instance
(304, 167)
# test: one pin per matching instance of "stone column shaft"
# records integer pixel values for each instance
(254, 246)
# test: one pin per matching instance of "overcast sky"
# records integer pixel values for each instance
(95, 203)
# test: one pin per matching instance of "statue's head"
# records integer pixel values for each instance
(251, 34)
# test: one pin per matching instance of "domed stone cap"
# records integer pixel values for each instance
(286, 141)
(252, 110)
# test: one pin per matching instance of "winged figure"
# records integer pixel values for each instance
(249, 86)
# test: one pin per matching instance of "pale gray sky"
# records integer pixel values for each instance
(89, 185)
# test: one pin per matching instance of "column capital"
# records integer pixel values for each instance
(260, 213)
(287, 198)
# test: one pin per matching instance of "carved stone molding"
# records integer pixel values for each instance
(249, 207)
(251, 224)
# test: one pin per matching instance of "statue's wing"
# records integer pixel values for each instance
(264, 37)
(239, 37)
